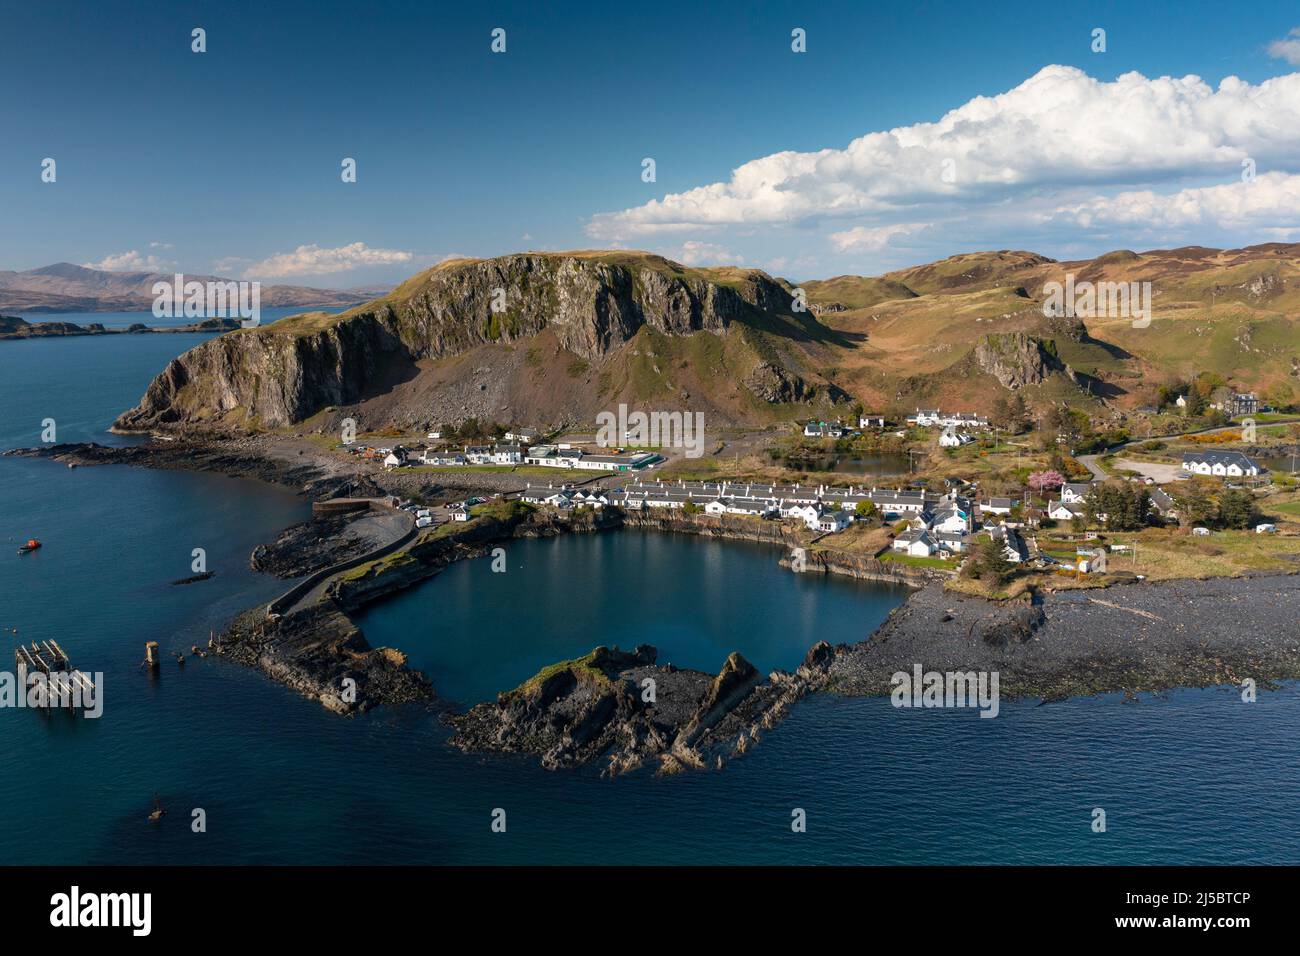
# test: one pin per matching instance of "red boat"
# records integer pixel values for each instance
(31, 545)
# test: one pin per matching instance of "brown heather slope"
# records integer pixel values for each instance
(583, 331)
(1235, 312)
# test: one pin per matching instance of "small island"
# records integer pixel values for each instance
(13, 327)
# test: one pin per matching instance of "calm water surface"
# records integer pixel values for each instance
(1193, 776)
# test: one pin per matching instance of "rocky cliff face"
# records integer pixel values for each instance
(281, 374)
(1016, 359)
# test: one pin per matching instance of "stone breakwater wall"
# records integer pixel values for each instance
(303, 587)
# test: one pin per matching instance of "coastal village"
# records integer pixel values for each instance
(985, 514)
(677, 439)
(965, 495)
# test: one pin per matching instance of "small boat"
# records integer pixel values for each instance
(180, 660)
(158, 812)
(31, 545)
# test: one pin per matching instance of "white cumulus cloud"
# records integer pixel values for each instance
(1270, 201)
(1059, 137)
(313, 260)
(130, 261)
(874, 238)
(1288, 48)
(696, 253)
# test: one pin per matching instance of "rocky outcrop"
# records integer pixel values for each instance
(626, 708)
(321, 654)
(1265, 285)
(777, 385)
(1069, 327)
(303, 548)
(592, 303)
(1016, 359)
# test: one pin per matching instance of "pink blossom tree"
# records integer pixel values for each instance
(1041, 481)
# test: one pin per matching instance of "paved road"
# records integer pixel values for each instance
(1090, 461)
(381, 529)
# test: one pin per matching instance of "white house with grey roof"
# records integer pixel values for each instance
(917, 543)
(952, 518)
(930, 417)
(1221, 464)
(1074, 491)
(820, 429)
(1013, 545)
(834, 520)
(432, 457)
(1164, 504)
(998, 506)
(951, 542)
(1062, 510)
(952, 438)
(742, 506)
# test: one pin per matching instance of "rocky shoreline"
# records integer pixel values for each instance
(294, 463)
(1133, 638)
(1049, 645)
(302, 548)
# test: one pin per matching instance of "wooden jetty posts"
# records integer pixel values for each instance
(61, 685)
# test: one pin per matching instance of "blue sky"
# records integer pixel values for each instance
(229, 161)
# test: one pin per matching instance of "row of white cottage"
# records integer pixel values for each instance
(820, 507)
(932, 417)
(552, 456)
(815, 514)
(937, 525)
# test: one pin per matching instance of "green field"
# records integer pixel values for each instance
(900, 558)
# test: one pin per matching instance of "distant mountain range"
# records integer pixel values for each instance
(64, 287)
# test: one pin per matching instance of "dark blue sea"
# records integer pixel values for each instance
(1193, 776)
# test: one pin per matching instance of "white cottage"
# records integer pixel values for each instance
(1221, 464)
(916, 543)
